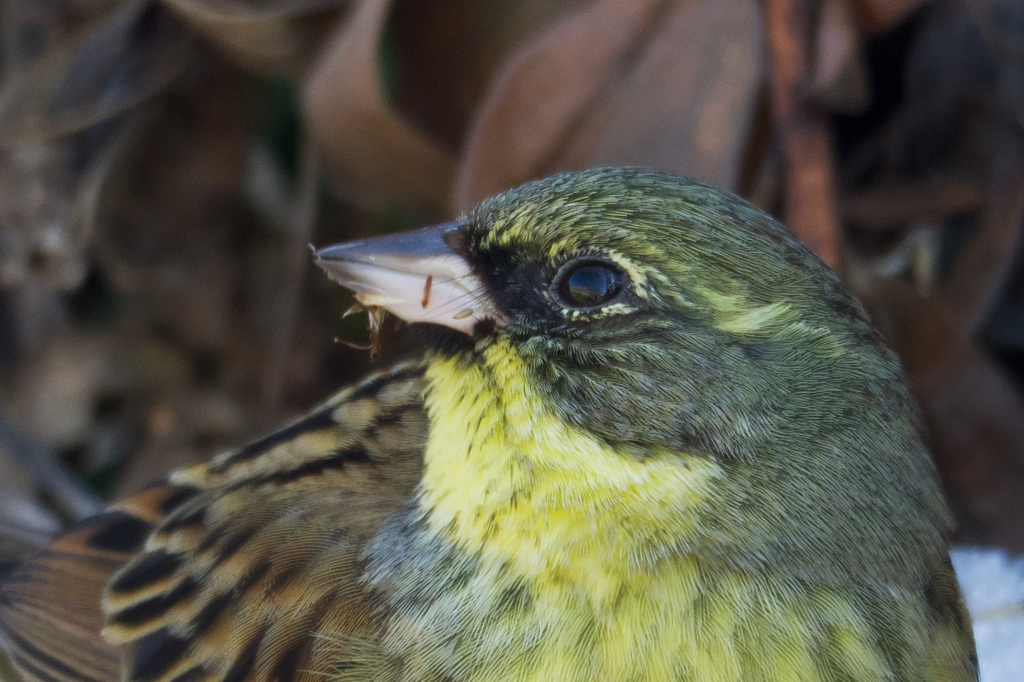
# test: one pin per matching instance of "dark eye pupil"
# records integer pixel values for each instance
(590, 285)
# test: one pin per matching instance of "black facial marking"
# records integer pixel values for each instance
(517, 287)
(444, 340)
(483, 328)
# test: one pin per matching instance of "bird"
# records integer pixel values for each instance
(646, 434)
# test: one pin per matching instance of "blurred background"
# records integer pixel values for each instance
(164, 166)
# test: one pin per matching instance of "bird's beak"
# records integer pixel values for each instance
(415, 275)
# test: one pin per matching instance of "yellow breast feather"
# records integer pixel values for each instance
(594, 536)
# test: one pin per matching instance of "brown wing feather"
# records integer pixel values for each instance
(49, 614)
(49, 606)
(256, 551)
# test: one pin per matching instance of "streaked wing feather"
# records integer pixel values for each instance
(257, 551)
(49, 604)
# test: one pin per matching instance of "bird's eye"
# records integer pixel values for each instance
(588, 284)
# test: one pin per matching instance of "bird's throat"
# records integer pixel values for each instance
(554, 556)
(508, 480)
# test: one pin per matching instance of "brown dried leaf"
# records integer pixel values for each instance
(671, 85)
(375, 157)
(982, 269)
(447, 52)
(803, 130)
(881, 15)
(839, 80)
(276, 37)
(974, 413)
(895, 204)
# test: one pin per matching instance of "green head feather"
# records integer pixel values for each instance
(729, 340)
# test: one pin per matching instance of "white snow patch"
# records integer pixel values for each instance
(993, 585)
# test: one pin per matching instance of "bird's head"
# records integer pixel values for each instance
(662, 315)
